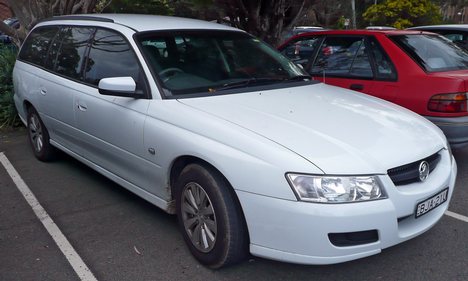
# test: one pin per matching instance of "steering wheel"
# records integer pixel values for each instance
(166, 73)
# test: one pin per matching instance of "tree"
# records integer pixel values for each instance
(264, 19)
(154, 7)
(403, 13)
(329, 12)
(30, 12)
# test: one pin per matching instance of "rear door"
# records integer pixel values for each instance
(58, 54)
(65, 59)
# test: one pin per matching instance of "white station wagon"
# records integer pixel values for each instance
(207, 122)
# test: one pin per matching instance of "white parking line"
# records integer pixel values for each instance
(456, 216)
(72, 256)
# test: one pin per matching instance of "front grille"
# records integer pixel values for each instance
(409, 173)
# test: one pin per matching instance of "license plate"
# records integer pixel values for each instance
(430, 204)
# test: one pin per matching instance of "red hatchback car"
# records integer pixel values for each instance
(421, 71)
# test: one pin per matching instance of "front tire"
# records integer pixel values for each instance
(210, 217)
(39, 137)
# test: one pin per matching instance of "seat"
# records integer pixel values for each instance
(152, 54)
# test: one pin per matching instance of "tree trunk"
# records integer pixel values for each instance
(263, 18)
(29, 13)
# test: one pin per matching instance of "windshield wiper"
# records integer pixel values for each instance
(259, 80)
(245, 83)
(299, 78)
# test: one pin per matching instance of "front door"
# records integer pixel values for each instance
(112, 127)
(357, 63)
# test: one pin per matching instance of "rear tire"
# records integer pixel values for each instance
(210, 217)
(39, 137)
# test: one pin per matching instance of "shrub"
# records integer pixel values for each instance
(8, 114)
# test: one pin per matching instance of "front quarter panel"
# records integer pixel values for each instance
(250, 162)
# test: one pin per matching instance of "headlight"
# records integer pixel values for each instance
(335, 189)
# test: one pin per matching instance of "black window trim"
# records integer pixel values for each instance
(146, 88)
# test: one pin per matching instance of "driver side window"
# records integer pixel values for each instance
(110, 56)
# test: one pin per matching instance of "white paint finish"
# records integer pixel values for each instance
(339, 131)
(118, 84)
(67, 249)
(307, 225)
(253, 139)
(149, 22)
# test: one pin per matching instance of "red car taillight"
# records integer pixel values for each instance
(450, 103)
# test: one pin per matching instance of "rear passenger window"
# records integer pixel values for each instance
(110, 56)
(343, 56)
(70, 58)
(35, 47)
(384, 66)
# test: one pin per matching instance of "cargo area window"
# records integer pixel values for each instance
(35, 48)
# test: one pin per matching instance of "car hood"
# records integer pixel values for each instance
(339, 131)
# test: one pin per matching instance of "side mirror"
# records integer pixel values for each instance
(118, 86)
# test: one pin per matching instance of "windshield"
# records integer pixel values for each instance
(433, 53)
(208, 62)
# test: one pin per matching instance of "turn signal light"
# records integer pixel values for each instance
(450, 103)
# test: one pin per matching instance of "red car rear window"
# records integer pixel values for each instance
(433, 53)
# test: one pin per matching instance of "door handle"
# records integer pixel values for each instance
(81, 107)
(357, 87)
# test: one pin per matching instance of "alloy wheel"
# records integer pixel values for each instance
(198, 217)
(35, 132)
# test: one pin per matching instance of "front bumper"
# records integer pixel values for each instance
(454, 128)
(298, 232)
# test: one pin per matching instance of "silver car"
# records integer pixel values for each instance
(207, 122)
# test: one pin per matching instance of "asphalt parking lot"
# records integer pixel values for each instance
(119, 236)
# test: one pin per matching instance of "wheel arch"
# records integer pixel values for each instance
(182, 161)
(27, 105)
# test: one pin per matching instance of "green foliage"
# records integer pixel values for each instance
(8, 114)
(153, 7)
(403, 13)
(340, 23)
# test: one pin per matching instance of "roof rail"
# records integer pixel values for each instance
(79, 17)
